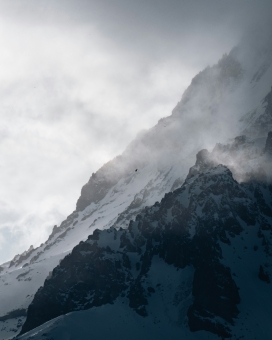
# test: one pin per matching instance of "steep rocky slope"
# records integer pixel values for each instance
(208, 230)
(223, 101)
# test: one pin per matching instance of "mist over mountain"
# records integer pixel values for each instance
(174, 235)
(76, 73)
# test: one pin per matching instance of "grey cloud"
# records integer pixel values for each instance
(79, 79)
(158, 27)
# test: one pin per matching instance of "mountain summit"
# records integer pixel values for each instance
(213, 238)
(177, 248)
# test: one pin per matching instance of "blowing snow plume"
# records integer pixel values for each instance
(222, 103)
(187, 266)
(217, 106)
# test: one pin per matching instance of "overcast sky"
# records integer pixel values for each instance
(79, 79)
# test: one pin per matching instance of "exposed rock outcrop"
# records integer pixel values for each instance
(187, 228)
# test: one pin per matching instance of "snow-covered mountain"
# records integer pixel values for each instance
(190, 263)
(232, 98)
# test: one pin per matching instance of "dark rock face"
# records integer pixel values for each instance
(13, 314)
(204, 162)
(268, 144)
(85, 283)
(19, 259)
(94, 191)
(108, 175)
(264, 276)
(215, 294)
(185, 228)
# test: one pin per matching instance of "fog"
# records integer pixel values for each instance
(80, 79)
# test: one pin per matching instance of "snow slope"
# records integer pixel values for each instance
(223, 101)
(200, 260)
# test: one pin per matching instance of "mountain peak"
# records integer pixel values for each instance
(202, 218)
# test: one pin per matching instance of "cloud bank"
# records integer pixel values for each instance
(79, 79)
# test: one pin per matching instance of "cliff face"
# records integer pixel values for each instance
(199, 102)
(229, 99)
(214, 102)
(208, 225)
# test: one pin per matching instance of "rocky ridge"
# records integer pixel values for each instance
(191, 227)
(162, 156)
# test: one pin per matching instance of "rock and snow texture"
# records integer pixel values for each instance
(190, 262)
(222, 102)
